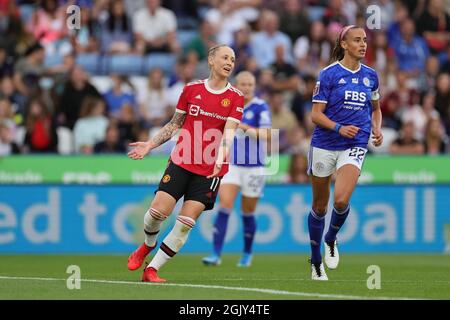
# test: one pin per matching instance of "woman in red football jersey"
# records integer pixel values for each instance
(208, 113)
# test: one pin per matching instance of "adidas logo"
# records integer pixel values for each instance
(342, 81)
(199, 97)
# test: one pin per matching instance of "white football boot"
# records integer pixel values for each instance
(318, 272)
(331, 255)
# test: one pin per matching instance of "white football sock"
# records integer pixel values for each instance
(173, 242)
(152, 223)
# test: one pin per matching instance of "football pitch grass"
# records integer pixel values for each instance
(272, 277)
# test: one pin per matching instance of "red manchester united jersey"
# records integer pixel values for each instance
(207, 111)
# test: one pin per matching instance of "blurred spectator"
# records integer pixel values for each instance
(112, 143)
(446, 60)
(9, 92)
(434, 26)
(185, 11)
(84, 39)
(428, 101)
(389, 106)
(75, 91)
(312, 51)
(435, 143)
(442, 101)
(15, 39)
(199, 46)
(411, 51)
(284, 74)
(48, 25)
(294, 19)
(264, 83)
(302, 103)
(29, 69)
(242, 48)
(7, 114)
(155, 28)
(378, 53)
(407, 143)
(154, 102)
(283, 119)
(127, 124)
(228, 16)
(185, 74)
(298, 166)
(413, 112)
(40, 128)
(335, 13)
(116, 34)
(7, 144)
(427, 80)
(116, 97)
(264, 43)
(6, 64)
(393, 32)
(90, 128)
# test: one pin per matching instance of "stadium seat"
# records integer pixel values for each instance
(125, 64)
(185, 36)
(65, 140)
(165, 61)
(91, 62)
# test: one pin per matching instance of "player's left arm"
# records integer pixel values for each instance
(377, 138)
(225, 146)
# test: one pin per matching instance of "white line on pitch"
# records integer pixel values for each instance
(202, 286)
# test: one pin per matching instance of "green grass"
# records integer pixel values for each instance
(402, 276)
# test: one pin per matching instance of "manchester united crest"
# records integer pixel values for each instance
(166, 178)
(225, 102)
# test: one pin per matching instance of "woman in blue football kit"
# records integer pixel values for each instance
(246, 172)
(346, 111)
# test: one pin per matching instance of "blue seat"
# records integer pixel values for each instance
(91, 62)
(164, 61)
(125, 64)
(185, 36)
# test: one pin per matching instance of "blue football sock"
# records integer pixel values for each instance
(220, 229)
(337, 220)
(316, 225)
(249, 232)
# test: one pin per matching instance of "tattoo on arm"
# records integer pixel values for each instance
(169, 129)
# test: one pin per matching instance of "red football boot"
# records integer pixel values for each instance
(136, 259)
(150, 275)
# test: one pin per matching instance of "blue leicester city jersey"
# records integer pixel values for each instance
(348, 96)
(248, 151)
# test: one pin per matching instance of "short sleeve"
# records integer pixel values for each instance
(322, 90)
(182, 101)
(237, 110)
(265, 119)
(375, 89)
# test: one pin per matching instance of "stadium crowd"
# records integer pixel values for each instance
(116, 77)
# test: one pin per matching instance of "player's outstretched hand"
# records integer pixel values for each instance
(377, 137)
(348, 131)
(217, 168)
(139, 151)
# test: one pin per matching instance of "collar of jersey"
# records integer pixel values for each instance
(216, 91)
(352, 71)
